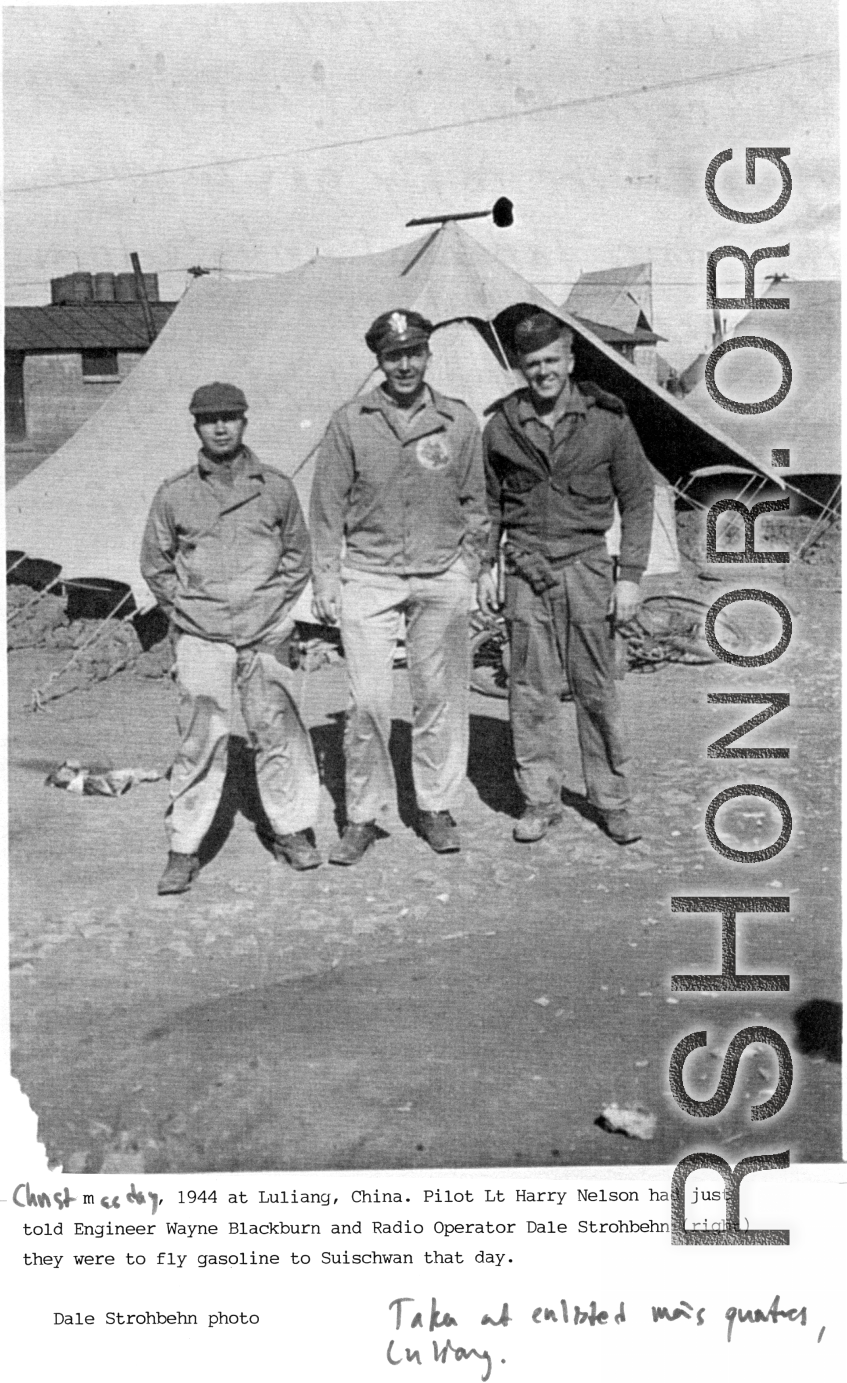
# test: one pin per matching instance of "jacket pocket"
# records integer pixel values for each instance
(520, 481)
(595, 487)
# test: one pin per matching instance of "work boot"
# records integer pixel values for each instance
(297, 850)
(357, 837)
(180, 873)
(439, 830)
(536, 821)
(620, 826)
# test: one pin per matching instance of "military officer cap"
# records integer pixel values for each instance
(393, 330)
(217, 398)
(540, 330)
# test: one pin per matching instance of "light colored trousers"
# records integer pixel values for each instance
(436, 610)
(210, 676)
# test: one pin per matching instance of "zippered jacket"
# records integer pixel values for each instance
(554, 492)
(389, 498)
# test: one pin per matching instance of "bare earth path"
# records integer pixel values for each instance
(474, 1010)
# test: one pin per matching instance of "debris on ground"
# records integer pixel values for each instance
(31, 619)
(632, 1123)
(98, 781)
(157, 661)
(116, 647)
(813, 538)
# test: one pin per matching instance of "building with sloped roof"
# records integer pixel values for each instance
(84, 508)
(617, 305)
(64, 360)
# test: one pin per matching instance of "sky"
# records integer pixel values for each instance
(247, 137)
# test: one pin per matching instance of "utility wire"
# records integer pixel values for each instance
(530, 277)
(571, 104)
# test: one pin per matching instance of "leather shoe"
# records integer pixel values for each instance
(297, 850)
(357, 837)
(620, 826)
(180, 873)
(440, 832)
(536, 821)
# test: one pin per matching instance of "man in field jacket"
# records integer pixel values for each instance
(399, 527)
(226, 553)
(558, 456)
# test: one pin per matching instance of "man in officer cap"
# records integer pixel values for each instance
(399, 527)
(557, 457)
(226, 554)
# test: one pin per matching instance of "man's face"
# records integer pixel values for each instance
(548, 370)
(220, 434)
(404, 370)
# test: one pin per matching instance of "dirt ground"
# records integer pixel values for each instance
(415, 1011)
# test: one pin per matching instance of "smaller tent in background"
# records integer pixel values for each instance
(693, 373)
(808, 420)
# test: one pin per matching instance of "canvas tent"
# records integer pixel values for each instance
(294, 343)
(807, 421)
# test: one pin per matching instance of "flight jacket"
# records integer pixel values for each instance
(555, 493)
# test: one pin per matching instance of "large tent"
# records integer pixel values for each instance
(294, 343)
(807, 421)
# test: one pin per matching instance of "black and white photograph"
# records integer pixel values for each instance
(423, 600)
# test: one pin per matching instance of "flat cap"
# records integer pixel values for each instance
(535, 332)
(217, 398)
(393, 330)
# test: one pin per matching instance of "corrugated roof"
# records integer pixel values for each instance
(82, 326)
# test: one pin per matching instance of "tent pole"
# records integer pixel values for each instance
(828, 517)
(825, 508)
(503, 357)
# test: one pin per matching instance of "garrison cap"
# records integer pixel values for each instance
(393, 330)
(217, 398)
(540, 330)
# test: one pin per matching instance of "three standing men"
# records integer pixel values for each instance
(401, 530)
(399, 527)
(226, 553)
(557, 457)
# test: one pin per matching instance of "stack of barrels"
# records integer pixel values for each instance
(82, 287)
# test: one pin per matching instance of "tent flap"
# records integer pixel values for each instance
(295, 343)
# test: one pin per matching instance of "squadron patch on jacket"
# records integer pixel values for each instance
(433, 453)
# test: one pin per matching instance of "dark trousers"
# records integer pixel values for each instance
(561, 639)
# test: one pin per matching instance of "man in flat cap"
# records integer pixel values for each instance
(399, 527)
(557, 457)
(226, 554)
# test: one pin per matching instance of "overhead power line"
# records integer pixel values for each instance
(573, 103)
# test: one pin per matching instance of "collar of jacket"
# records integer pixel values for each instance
(377, 401)
(245, 463)
(524, 408)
